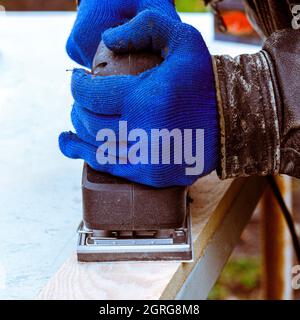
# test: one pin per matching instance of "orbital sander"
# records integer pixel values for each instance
(123, 220)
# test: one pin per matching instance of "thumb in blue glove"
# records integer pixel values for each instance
(178, 94)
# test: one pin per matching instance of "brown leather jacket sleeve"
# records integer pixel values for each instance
(258, 100)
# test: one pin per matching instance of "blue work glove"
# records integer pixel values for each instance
(96, 16)
(180, 93)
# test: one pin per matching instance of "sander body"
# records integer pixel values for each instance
(123, 220)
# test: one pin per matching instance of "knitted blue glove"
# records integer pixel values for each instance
(96, 16)
(178, 94)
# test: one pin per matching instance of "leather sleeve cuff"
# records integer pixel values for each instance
(249, 123)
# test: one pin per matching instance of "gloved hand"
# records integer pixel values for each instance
(180, 93)
(96, 16)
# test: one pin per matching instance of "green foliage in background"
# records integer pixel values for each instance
(240, 280)
(190, 5)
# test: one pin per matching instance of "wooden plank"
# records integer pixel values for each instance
(213, 201)
(212, 261)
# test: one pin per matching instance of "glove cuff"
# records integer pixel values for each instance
(249, 123)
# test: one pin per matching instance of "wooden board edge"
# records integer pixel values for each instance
(235, 197)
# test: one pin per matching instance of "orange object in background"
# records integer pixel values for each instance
(239, 28)
(237, 23)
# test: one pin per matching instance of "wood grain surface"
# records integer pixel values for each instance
(148, 280)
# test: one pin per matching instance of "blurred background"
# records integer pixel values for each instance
(241, 278)
(62, 5)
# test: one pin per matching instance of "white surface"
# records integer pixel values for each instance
(40, 197)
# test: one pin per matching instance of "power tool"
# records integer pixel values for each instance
(123, 220)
